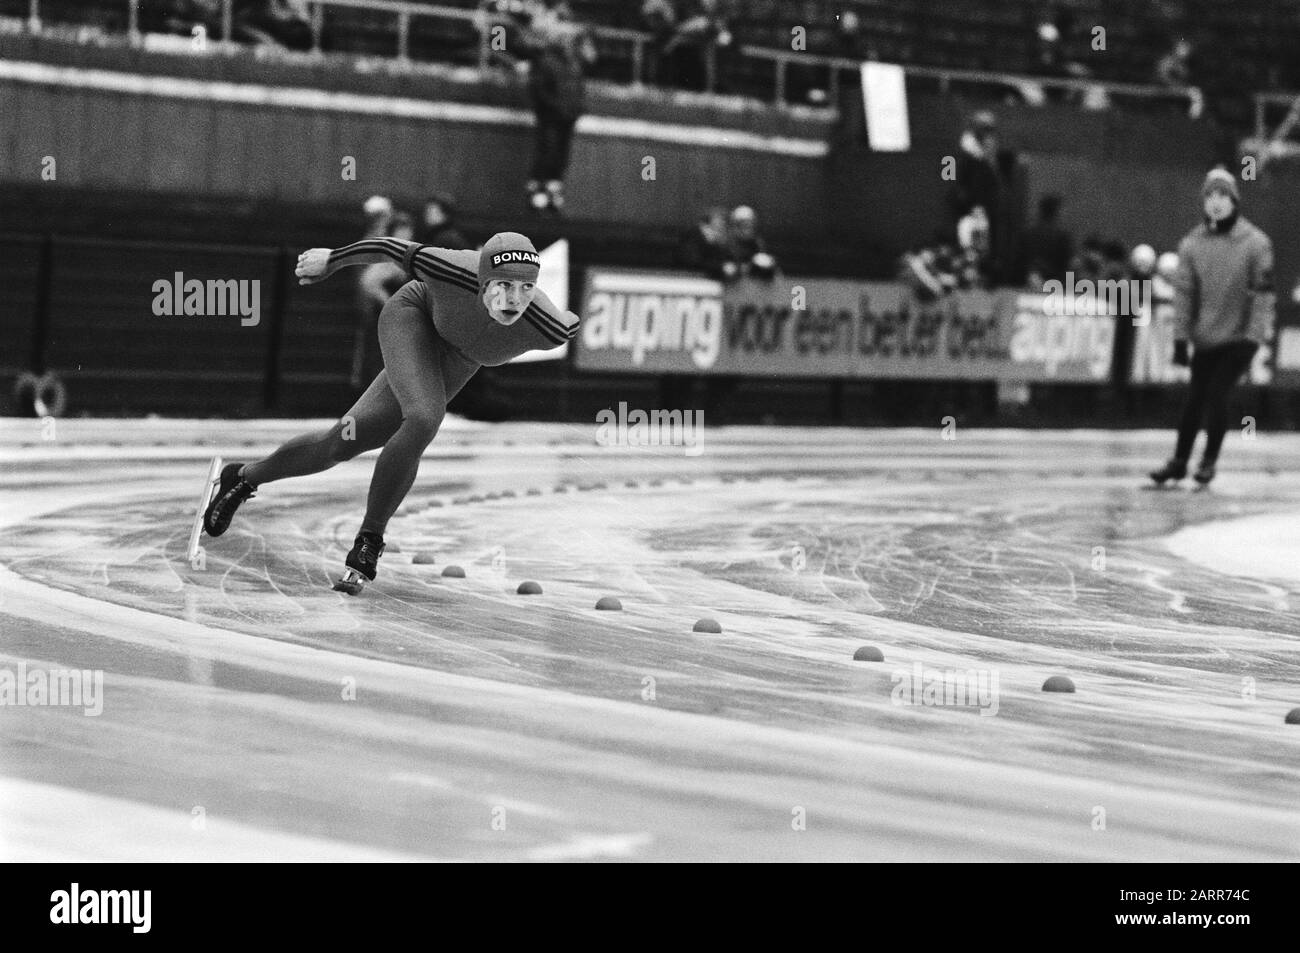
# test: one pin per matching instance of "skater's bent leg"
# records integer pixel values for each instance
(423, 373)
(395, 470)
(371, 421)
(1232, 363)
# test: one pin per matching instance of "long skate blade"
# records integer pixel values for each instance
(352, 583)
(209, 487)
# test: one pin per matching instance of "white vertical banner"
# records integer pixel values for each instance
(554, 280)
(884, 97)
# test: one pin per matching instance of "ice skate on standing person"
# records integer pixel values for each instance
(1223, 312)
(462, 310)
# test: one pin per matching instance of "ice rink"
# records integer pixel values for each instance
(251, 713)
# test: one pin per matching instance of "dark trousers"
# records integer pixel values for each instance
(554, 140)
(1215, 371)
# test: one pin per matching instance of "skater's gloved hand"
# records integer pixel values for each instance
(313, 266)
(1181, 357)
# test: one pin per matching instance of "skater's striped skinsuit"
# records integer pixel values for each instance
(434, 334)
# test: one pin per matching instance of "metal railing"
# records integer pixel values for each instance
(945, 77)
(1290, 101)
(406, 12)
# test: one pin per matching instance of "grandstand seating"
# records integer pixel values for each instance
(1258, 38)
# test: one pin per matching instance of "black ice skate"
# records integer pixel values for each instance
(231, 491)
(362, 563)
(1174, 470)
(210, 487)
(1204, 473)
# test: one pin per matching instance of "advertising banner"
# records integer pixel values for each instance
(659, 322)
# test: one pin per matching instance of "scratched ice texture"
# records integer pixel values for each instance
(251, 712)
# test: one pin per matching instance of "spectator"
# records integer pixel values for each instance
(975, 260)
(948, 264)
(1059, 42)
(181, 16)
(1046, 248)
(936, 271)
(746, 246)
(972, 269)
(559, 50)
(1175, 71)
(810, 82)
(659, 19)
(1224, 311)
(973, 231)
(379, 212)
(1055, 40)
(438, 226)
(850, 40)
(1050, 59)
(1174, 68)
(920, 271)
(1142, 262)
(283, 23)
(702, 35)
(705, 246)
(977, 183)
(375, 285)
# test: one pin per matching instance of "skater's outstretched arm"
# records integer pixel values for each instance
(317, 264)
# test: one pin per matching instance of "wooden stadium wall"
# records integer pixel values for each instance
(1117, 169)
(145, 139)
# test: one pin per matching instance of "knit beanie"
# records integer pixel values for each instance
(509, 256)
(1222, 180)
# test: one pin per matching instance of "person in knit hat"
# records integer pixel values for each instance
(1223, 311)
(461, 310)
